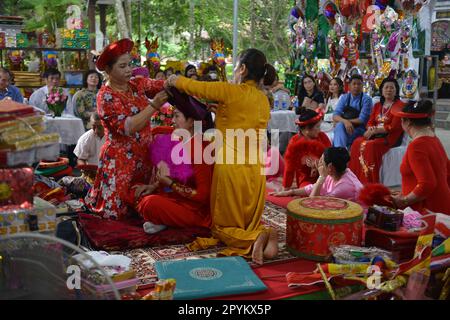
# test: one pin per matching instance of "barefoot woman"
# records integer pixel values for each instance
(238, 190)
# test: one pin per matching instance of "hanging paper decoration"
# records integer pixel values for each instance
(345, 30)
(297, 12)
(382, 4)
(336, 44)
(351, 52)
(135, 56)
(409, 87)
(369, 80)
(321, 43)
(371, 19)
(329, 11)
(15, 58)
(50, 59)
(413, 6)
(218, 57)
(350, 9)
(74, 21)
(332, 48)
(323, 81)
(389, 19)
(310, 39)
(404, 46)
(153, 59)
(311, 10)
(383, 73)
(418, 39)
(296, 26)
(377, 53)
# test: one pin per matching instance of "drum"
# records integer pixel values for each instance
(315, 224)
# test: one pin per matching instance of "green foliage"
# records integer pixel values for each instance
(262, 24)
(40, 14)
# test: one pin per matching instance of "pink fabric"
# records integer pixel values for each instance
(347, 187)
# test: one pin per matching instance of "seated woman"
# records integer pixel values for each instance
(309, 95)
(384, 131)
(335, 179)
(336, 89)
(305, 146)
(425, 166)
(168, 202)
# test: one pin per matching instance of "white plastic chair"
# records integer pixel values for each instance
(390, 168)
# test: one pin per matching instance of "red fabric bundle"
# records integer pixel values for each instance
(107, 234)
(300, 151)
(375, 194)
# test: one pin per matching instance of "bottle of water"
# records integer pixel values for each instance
(295, 102)
(285, 101)
(276, 101)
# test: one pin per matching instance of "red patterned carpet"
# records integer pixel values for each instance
(144, 258)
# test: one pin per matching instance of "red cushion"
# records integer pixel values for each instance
(279, 201)
(106, 234)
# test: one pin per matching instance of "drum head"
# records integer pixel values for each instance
(325, 208)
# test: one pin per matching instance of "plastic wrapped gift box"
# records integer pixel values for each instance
(40, 218)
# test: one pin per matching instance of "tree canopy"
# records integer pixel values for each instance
(184, 27)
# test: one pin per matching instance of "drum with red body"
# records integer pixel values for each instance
(315, 224)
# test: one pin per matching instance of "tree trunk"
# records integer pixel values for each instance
(91, 15)
(252, 24)
(192, 23)
(127, 5)
(121, 20)
(102, 8)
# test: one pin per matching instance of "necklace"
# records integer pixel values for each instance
(386, 107)
(117, 89)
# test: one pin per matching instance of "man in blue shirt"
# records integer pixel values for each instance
(351, 114)
(8, 91)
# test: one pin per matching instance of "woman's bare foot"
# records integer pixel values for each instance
(258, 248)
(271, 249)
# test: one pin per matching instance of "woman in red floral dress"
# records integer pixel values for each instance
(125, 112)
(384, 131)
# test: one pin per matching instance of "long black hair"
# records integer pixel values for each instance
(257, 66)
(397, 89)
(341, 87)
(189, 67)
(302, 91)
